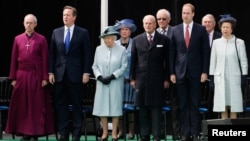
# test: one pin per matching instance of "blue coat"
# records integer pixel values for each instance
(109, 98)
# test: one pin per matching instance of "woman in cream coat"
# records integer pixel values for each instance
(109, 65)
(225, 68)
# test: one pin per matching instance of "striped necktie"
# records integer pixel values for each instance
(163, 32)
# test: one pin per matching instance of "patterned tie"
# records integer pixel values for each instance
(150, 40)
(163, 32)
(187, 38)
(67, 40)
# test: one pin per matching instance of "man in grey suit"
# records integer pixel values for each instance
(189, 66)
(149, 75)
(69, 69)
(163, 19)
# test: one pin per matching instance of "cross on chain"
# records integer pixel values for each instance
(27, 46)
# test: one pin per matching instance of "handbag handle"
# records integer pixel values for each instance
(238, 55)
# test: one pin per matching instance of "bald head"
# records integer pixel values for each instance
(149, 23)
(30, 22)
(30, 17)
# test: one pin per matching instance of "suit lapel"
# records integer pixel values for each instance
(181, 32)
(74, 36)
(61, 33)
(145, 42)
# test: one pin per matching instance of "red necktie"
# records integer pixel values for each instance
(187, 38)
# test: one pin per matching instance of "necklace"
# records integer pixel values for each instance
(28, 38)
(27, 45)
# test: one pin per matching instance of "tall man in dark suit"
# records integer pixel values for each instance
(149, 75)
(208, 21)
(69, 69)
(189, 66)
(163, 17)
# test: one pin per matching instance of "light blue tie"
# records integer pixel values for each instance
(67, 40)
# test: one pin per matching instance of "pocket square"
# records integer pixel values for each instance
(159, 45)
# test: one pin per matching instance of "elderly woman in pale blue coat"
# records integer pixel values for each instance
(109, 65)
(226, 69)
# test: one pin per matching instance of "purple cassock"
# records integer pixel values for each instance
(30, 110)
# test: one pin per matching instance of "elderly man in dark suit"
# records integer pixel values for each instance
(149, 74)
(69, 68)
(208, 21)
(189, 66)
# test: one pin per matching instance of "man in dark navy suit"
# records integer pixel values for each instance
(70, 64)
(189, 66)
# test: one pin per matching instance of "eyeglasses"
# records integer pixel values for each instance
(164, 19)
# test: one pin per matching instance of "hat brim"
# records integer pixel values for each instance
(110, 33)
(132, 27)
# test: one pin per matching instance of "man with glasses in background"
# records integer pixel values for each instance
(163, 19)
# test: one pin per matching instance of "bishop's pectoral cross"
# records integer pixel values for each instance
(27, 45)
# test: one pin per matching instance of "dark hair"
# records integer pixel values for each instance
(72, 8)
(227, 18)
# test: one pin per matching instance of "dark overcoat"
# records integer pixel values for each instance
(150, 68)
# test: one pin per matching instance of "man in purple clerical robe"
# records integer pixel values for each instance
(30, 114)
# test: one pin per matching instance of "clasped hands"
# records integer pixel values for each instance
(106, 80)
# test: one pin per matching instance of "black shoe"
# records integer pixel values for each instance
(63, 138)
(34, 139)
(162, 136)
(183, 138)
(104, 139)
(156, 139)
(75, 139)
(25, 138)
(176, 137)
(114, 139)
(144, 138)
(131, 137)
(195, 138)
(120, 136)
